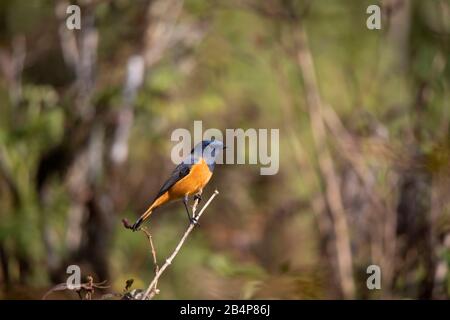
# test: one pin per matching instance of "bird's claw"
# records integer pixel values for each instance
(194, 221)
(198, 197)
(136, 225)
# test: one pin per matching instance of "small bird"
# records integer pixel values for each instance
(188, 178)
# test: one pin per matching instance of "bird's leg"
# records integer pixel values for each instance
(191, 219)
(197, 200)
(198, 196)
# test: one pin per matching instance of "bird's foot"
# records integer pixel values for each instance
(194, 221)
(198, 197)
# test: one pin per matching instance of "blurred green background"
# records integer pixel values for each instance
(86, 118)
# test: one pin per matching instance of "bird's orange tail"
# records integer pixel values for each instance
(158, 202)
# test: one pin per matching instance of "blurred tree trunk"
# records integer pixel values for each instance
(415, 250)
(414, 229)
(88, 226)
(88, 159)
(4, 263)
(11, 65)
(327, 172)
(332, 219)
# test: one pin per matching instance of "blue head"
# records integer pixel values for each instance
(208, 150)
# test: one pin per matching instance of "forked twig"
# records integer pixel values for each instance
(150, 292)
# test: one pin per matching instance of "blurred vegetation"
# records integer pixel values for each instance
(82, 147)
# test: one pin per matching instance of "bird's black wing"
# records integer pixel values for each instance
(178, 173)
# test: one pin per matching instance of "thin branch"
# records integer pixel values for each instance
(180, 244)
(87, 287)
(147, 233)
(150, 240)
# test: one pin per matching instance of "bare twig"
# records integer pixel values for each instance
(149, 293)
(150, 240)
(127, 225)
(87, 287)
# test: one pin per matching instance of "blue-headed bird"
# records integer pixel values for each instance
(188, 179)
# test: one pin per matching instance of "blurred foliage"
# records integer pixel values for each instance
(261, 238)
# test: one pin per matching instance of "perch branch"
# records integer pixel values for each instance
(149, 293)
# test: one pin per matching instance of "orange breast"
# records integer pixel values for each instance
(197, 178)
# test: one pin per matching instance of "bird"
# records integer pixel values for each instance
(187, 179)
